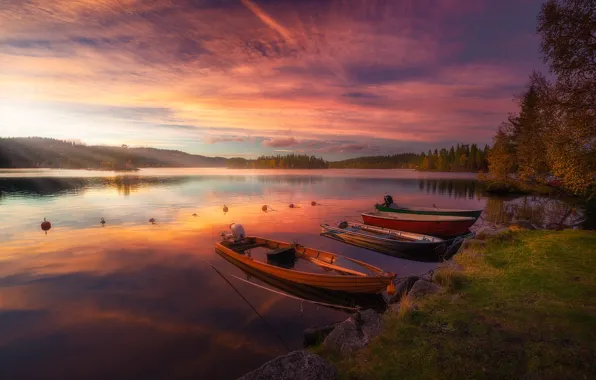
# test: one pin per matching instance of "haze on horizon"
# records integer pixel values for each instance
(336, 79)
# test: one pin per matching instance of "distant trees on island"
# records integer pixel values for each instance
(289, 161)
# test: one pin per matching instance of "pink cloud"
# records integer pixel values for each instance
(219, 139)
(280, 142)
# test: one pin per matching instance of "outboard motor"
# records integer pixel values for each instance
(388, 200)
(238, 233)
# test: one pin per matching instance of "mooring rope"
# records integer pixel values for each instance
(297, 298)
(251, 306)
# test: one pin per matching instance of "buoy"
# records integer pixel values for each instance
(102, 221)
(46, 225)
(225, 208)
(152, 220)
(293, 206)
(313, 203)
(195, 214)
(264, 208)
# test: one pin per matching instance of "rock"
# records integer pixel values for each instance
(297, 365)
(422, 288)
(486, 232)
(315, 335)
(355, 332)
(521, 225)
(473, 243)
(402, 289)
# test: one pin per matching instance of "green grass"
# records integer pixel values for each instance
(523, 308)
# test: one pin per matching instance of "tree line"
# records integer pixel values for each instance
(38, 152)
(462, 158)
(290, 161)
(552, 139)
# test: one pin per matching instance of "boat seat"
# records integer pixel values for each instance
(280, 251)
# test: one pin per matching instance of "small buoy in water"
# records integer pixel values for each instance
(264, 208)
(102, 221)
(293, 206)
(152, 220)
(313, 203)
(46, 225)
(225, 208)
(195, 214)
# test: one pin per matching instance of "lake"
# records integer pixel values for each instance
(132, 299)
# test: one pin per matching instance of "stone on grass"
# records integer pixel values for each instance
(487, 232)
(297, 365)
(521, 225)
(422, 288)
(355, 332)
(315, 335)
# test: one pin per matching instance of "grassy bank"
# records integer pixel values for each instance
(524, 307)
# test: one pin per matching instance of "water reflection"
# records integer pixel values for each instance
(133, 299)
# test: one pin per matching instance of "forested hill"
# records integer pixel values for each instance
(33, 152)
(460, 158)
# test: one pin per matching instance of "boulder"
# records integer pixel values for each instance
(422, 288)
(521, 224)
(315, 335)
(486, 232)
(297, 365)
(402, 289)
(355, 332)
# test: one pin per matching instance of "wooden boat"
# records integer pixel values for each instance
(342, 279)
(311, 293)
(390, 206)
(435, 225)
(406, 245)
(392, 239)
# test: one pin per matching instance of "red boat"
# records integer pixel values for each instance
(435, 225)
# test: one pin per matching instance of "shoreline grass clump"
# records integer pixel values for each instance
(520, 308)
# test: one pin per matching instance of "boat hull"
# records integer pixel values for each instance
(407, 210)
(440, 228)
(342, 283)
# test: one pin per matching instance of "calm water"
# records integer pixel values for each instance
(136, 300)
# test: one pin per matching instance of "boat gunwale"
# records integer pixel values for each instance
(331, 229)
(432, 209)
(381, 274)
(416, 217)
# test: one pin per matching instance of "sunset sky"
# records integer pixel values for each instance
(242, 78)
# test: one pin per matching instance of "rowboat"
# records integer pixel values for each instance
(389, 206)
(330, 275)
(328, 298)
(392, 239)
(394, 243)
(435, 225)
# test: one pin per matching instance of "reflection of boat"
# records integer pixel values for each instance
(365, 279)
(436, 225)
(389, 206)
(311, 293)
(406, 242)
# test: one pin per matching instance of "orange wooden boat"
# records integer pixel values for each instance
(368, 279)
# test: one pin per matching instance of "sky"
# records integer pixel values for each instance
(336, 79)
